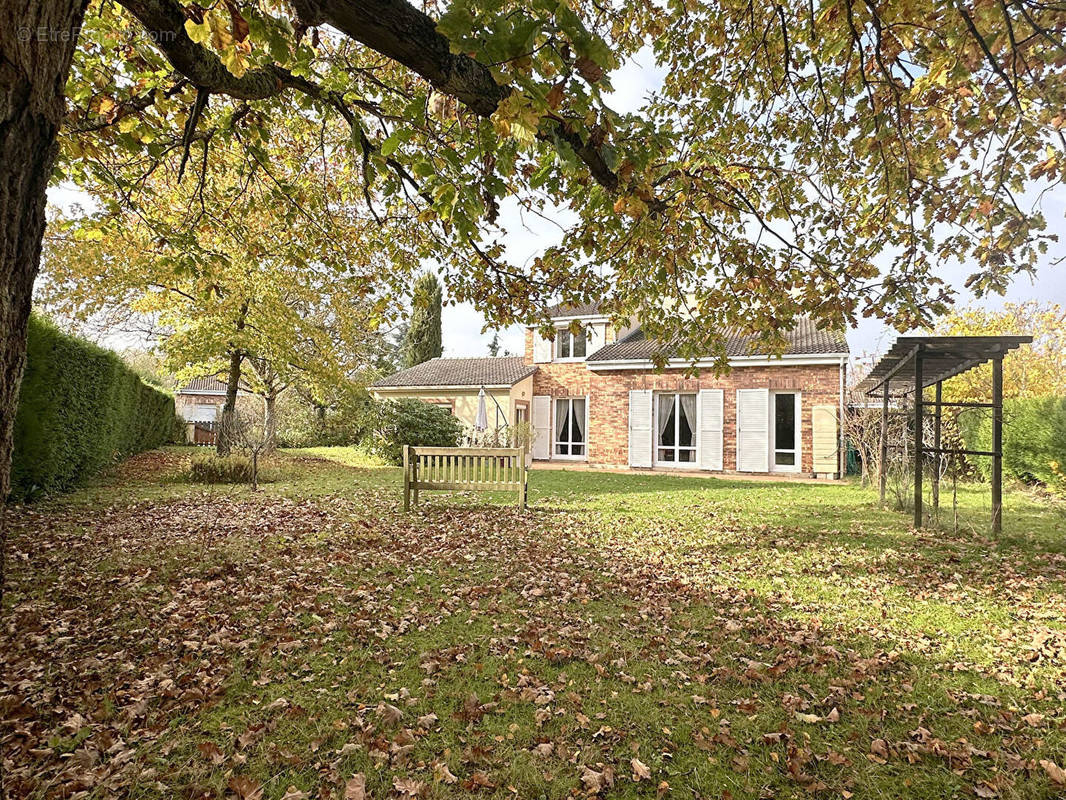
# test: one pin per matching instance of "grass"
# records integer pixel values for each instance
(736, 638)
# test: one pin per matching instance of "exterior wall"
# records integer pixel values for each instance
(186, 402)
(609, 403)
(521, 396)
(463, 402)
(608, 398)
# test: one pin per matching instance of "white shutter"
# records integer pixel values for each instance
(753, 430)
(596, 337)
(542, 348)
(542, 424)
(824, 439)
(640, 431)
(709, 442)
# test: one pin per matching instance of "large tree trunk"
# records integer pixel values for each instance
(224, 439)
(37, 40)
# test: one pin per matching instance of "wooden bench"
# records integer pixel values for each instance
(483, 469)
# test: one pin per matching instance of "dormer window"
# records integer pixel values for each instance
(569, 344)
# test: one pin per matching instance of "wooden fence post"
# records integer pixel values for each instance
(406, 477)
(522, 479)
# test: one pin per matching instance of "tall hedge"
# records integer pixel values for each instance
(80, 409)
(1034, 440)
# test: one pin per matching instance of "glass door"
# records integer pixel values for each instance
(785, 431)
(675, 429)
(570, 424)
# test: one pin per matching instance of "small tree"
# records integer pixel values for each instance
(248, 431)
(423, 340)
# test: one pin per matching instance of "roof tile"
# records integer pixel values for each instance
(502, 371)
(804, 339)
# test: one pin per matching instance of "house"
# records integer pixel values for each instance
(454, 383)
(596, 397)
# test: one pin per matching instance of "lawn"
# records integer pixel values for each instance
(628, 636)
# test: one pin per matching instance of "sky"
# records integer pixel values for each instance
(462, 324)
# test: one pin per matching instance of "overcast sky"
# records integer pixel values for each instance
(462, 324)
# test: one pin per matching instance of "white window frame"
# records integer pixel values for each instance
(797, 466)
(694, 463)
(557, 345)
(556, 441)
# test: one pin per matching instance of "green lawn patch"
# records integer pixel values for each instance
(629, 636)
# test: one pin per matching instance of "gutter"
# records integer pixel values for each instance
(443, 387)
(796, 360)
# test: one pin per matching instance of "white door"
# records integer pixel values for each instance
(711, 420)
(785, 431)
(542, 415)
(640, 429)
(753, 435)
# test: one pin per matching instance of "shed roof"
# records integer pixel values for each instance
(210, 385)
(943, 357)
(805, 338)
(473, 372)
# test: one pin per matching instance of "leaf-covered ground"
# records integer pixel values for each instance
(629, 636)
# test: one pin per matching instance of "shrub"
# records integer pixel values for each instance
(80, 409)
(350, 420)
(207, 467)
(415, 423)
(1034, 440)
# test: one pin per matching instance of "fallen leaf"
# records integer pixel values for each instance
(1054, 771)
(245, 788)
(355, 788)
(640, 770)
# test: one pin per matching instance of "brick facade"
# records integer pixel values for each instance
(608, 398)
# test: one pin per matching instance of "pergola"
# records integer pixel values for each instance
(917, 362)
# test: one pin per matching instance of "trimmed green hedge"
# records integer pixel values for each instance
(80, 409)
(1034, 440)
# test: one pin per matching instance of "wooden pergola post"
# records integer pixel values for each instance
(997, 444)
(918, 437)
(883, 476)
(936, 446)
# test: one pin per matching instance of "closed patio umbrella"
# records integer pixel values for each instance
(481, 422)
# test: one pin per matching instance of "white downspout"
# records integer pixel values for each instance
(842, 458)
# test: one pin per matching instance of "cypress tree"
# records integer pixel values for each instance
(423, 340)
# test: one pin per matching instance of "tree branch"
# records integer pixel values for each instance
(394, 28)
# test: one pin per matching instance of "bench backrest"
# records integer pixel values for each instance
(463, 468)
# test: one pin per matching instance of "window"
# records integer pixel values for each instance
(570, 427)
(675, 429)
(569, 344)
(786, 436)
